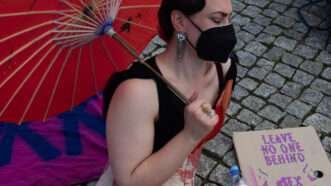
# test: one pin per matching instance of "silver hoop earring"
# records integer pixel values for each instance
(181, 45)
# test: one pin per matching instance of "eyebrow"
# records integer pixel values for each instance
(222, 13)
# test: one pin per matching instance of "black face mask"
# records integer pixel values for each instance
(215, 44)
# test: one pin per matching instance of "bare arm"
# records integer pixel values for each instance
(130, 136)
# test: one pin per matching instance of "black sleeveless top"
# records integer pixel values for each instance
(171, 108)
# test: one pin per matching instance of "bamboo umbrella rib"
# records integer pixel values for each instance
(27, 45)
(79, 19)
(92, 11)
(79, 11)
(73, 97)
(32, 28)
(27, 108)
(26, 78)
(55, 12)
(59, 75)
(109, 56)
(136, 24)
(92, 63)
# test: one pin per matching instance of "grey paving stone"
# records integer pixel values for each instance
(274, 54)
(246, 59)
(240, 44)
(325, 57)
(259, 3)
(248, 83)
(265, 125)
(290, 122)
(327, 144)
(206, 165)
(327, 73)
(278, 7)
(230, 158)
(251, 11)
(262, 20)
(292, 12)
(270, 13)
(325, 106)
(272, 113)
(234, 125)
(219, 145)
(316, 36)
(273, 30)
(198, 181)
(322, 85)
(283, 21)
(312, 19)
(238, 6)
(298, 3)
(244, 36)
(291, 59)
(239, 92)
(265, 90)
(299, 109)
(312, 67)
(241, 20)
(284, 70)
(254, 103)
(233, 108)
(294, 35)
(265, 64)
(300, 27)
(256, 48)
(210, 184)
(280, 100)
(305, 51)
(258, 73)
(275, 80)
(265, 38)
(329, 156)
(285, 43)
(249, 117)
(241, 71)
(221, 175)
(253, 28)
(315, 42)
(320, 122)
(286, 2)
(292, 89)
(311, 96)
(303, 78)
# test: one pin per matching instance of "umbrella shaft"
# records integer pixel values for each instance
(134, 53)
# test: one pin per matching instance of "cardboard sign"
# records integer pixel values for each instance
(285, 157)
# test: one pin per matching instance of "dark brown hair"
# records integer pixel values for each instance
(187, 7)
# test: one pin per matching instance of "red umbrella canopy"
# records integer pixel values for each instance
(55, 54)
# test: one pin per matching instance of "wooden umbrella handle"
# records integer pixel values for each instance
(133, 52)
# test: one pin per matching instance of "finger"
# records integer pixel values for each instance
(196, 105)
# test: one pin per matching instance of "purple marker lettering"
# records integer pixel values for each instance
(283, 148)
(301, 157)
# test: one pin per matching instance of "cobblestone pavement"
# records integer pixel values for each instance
(284, 80)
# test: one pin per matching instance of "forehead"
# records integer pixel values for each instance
(224, 6)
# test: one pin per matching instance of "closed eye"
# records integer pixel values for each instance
(217, 20)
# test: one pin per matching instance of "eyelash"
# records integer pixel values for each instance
(217, 21)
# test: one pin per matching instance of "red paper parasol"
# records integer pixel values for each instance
(57, 53)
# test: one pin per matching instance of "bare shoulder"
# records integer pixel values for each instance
(136, 93)
(130, 124)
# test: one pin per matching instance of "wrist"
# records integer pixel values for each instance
(189, 137)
